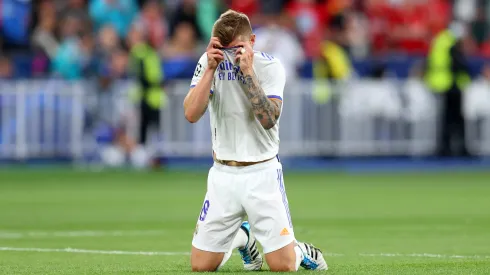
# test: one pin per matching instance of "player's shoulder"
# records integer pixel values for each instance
(264, 57)
(266, 61)
(204, 57)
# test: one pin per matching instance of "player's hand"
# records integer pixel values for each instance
(245, 55)
(215, 55)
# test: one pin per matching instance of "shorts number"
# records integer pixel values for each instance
(204, 211)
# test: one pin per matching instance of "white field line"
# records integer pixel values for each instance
(88, 251)
(425, 255)
(75, 234)
(174, 253)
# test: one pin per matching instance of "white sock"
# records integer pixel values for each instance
(299, 256)
(240, 241)
(226, 257)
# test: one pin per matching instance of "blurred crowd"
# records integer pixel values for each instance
(80, 38)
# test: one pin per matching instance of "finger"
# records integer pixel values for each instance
(238, 51)
(216, 56)
(215, 42)
(246, 45)
(238, 56)
(213, 45)
(215, 38)
(216, 51)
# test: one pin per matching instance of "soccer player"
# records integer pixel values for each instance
(243, 90)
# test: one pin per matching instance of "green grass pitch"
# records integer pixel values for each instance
(436, 223)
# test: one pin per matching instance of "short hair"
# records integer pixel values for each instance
(231, 25)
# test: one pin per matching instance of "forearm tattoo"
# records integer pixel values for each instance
(266, 111)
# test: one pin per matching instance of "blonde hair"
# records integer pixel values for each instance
(231, 25)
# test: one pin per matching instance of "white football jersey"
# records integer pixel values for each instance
(236, 133)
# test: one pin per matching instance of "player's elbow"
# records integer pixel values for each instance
(190, 113)
(191, 116)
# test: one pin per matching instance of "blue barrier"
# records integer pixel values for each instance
(397, 65)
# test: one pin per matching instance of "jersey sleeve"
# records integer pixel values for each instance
(274, 80)
(201, 67)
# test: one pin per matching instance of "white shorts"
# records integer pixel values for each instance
(233, 192)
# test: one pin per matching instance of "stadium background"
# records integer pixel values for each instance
(357, 142)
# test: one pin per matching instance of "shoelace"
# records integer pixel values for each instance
(246, 257)
(312, 251)
(249, 257)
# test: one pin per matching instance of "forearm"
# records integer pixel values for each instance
(265, 110)
(196, 101)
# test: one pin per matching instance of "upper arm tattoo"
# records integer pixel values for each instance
(267, 111)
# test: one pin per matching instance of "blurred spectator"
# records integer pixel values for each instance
(448, 75)
(40, 65)
(44, 38)
(146, 67)
(477, 98)
(405, 25)
(152, 19)
(272, 6)
(119, 13)
(107, 42)
(6, 69)
(332, 67)
(182, 44)
(485, 48)
(249, 7)
(479, 26)
(171, 5)
(309, 20)
(74, 57)
(409, 23)
(118, 64)
(333, 62)
(186, 12)
(15, 20)
(356, 35)
(368, 26)
(70, 27)
(110, 113)
(274, 39)
(207, 13)
(465, 10)
(377, 12)
(114, 70)
(444, 15)
(77, 9)
(345, 28)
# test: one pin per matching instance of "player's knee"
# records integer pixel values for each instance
(202, 267)
(282, 260)
(283, 267)
(202, 261)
